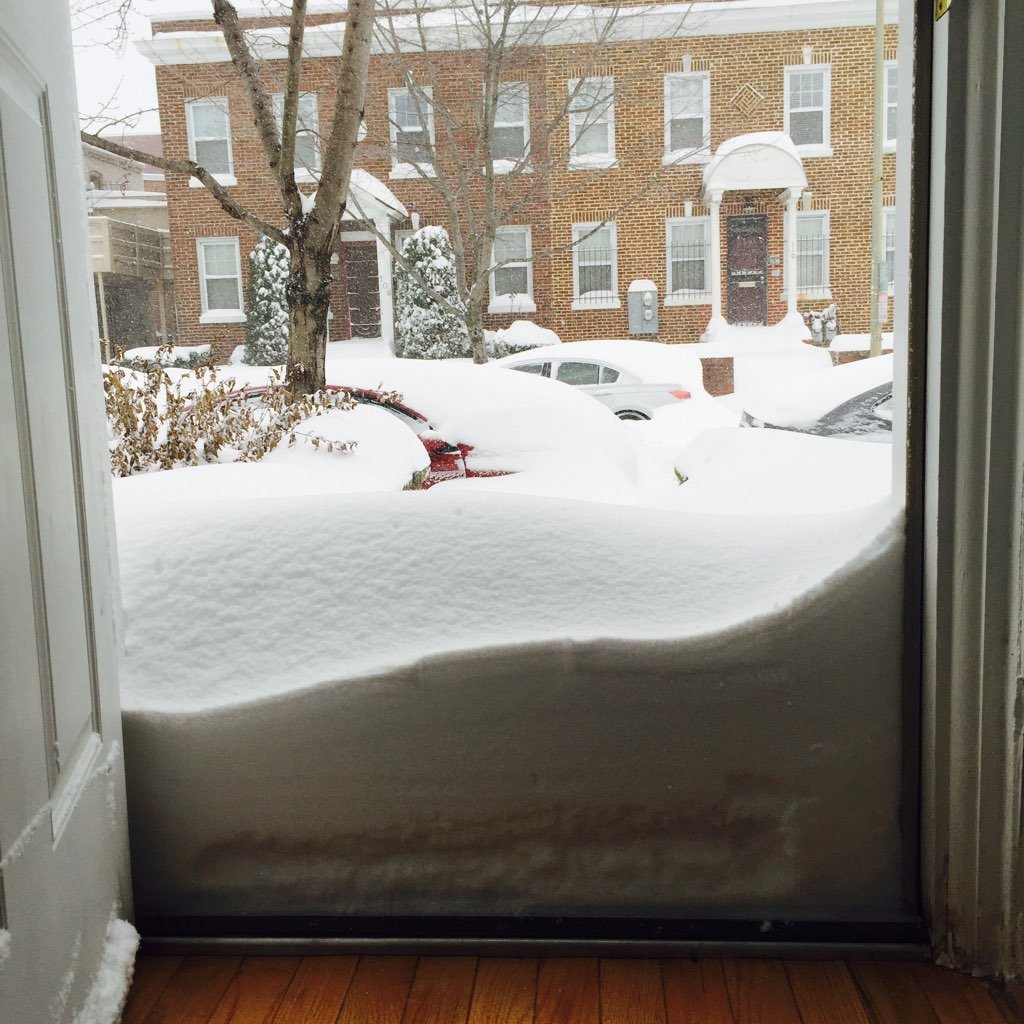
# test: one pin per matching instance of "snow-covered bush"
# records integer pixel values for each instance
(519, 336)
(423, 328)
(157, 422)
(174, 357)
(266, 306)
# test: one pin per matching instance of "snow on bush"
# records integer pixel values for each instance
(266, 317)
(423, 328)
(519, 336)
(181, 357)
(157, 422)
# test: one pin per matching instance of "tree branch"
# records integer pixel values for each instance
(193, 170)
(289, 116)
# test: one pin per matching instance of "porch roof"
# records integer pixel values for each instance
(755, 161)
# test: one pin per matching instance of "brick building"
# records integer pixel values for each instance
(724, 153)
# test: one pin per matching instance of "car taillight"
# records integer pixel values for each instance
(680, 394)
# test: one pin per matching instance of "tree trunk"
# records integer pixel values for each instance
(309, 295)
(475, 326)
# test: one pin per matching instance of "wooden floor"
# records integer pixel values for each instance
(466, 990)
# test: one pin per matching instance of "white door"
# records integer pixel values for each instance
(63, 840)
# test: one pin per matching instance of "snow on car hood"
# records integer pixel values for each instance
(805, 399)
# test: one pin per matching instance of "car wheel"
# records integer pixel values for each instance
(631, 414)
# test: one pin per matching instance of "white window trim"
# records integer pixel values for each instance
(522, 302)
(504, 165)
(402, 168)
(889, 145)
(824, 148)
(887, 212)
(675, 298)
(221, 177)
(824, 292)
(593, 161)
(702, 155)
(610, 302)
(219, 316)
(301, 173)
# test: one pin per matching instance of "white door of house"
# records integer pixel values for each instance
(63, 839)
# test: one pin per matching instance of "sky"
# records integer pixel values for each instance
(117, 77)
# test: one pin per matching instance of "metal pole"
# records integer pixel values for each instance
(103, 318)
(877, 240)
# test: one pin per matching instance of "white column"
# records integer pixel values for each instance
(384, 274)
(792, 198)
(715, 199)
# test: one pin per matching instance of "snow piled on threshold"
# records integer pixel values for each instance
(109, 989)
(273, 595)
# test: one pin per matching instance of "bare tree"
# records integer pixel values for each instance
(308, 225)
(489, 140)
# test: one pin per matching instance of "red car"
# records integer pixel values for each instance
(448, 461)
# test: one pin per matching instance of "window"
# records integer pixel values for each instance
(538, 368)
(209, 138)
(595, 273)
(512, 277)
(889, 268)
(511, 137)
(220, 280)
(688, 252)
(412, 131)
(812, 252)
(891, 85)
(307, 132)
(579, 373)
(808, 99)
(687, 117)
(592, 123)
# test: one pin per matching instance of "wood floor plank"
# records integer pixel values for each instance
(567, 991)
(695, 992)
(892, 993)
(441, 990)
(759, 992)
(957, 998)
(631, 992)
(505, 991)
(316, 991)
(379, 990)
(151, 976)
(826, 993)
(255, 992)
(194, 991)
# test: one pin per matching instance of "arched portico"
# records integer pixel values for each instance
(760, 160)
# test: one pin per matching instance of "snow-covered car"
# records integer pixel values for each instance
(849, 401)
(448, 460)
(632, 378)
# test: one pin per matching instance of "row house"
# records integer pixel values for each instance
(721, 150)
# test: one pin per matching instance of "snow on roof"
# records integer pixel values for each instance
(376, 190)
(753, 161)
(804, 400)
(642, 286)
(651, 361)
(367, 198)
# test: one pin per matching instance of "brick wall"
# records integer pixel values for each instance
(554, 201)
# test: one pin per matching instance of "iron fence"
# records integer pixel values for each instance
(688, 269)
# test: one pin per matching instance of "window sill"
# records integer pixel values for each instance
(510, 166)
(405, 172)
(503, 305)
(223, 316)
(227, 180)
(600, 163)
(812, 151)
(814, 293)
(678, 159)
(687, 300)
(889, 147)
(582, 304)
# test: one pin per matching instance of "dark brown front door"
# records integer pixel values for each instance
(748, 259)
(363, 289)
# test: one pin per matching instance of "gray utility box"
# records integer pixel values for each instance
(642, 301)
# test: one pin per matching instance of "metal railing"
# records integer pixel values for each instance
(595, 273)
(119, 247)
(812, 264)
(688, 269)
